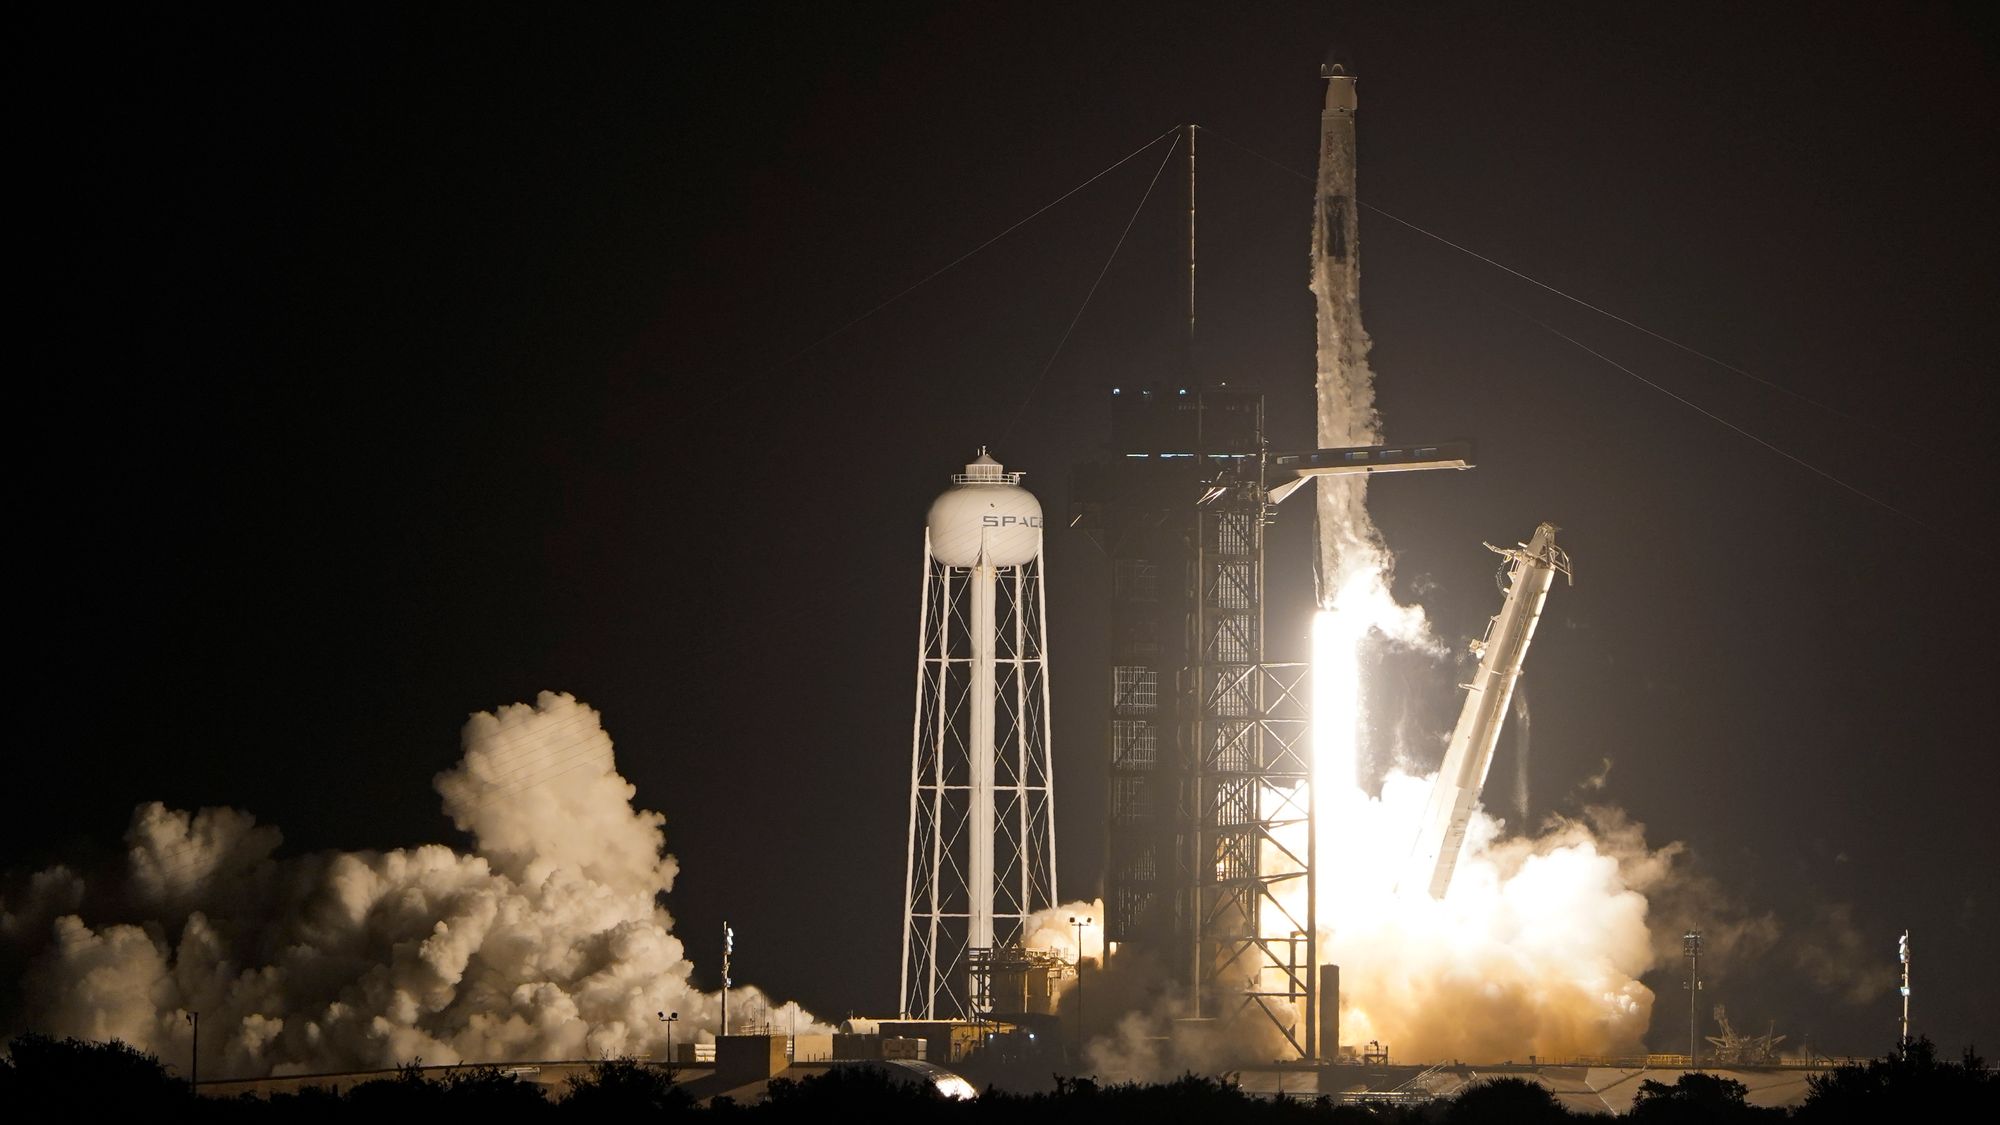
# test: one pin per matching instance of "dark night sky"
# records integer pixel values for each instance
(393, 366)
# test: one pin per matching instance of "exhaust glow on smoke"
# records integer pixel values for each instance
(1539, 945)
(1537, 949)
(1336, 691)
(545, 941)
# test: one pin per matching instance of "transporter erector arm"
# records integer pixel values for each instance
(1441, 833)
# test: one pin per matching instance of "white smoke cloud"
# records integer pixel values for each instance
(1537, 949)
(1135, 1031)
(1051, 931)
(1540, 944)
(1159, 1044)
(1834, 954)
(545, 941)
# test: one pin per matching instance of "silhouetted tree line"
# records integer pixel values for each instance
(46, 1079)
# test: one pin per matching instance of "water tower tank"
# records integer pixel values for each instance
(985, 517)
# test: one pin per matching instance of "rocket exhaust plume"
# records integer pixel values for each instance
(545, 940)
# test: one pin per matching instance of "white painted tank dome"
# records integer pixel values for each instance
(985, 512)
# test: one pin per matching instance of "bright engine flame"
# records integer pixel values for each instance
(1336, 700)
(1361, 605)
(1540, 945)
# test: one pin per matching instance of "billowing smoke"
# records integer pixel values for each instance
(1134, 1028)
(1537, 949)
(1159, 1043)
(546, 940)
(1833, 954)
(1054, 931)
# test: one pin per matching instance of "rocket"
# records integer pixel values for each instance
(1345, 389)
(1532, 568)
(1336, 276)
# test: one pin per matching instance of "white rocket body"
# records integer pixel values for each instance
(1345, 390)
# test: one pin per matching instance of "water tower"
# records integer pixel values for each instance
(982, 850)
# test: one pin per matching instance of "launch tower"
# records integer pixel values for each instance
(1210, 818)
(982, 850)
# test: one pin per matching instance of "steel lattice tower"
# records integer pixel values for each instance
(1251, 878)
(1211, 826)
(982, 835)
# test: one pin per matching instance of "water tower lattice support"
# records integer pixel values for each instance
(981, 853)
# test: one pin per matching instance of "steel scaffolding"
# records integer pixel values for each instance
(979, 752)
(1210, 825)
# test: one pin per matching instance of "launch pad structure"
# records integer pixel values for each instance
(1210, 825)
(1211, 828)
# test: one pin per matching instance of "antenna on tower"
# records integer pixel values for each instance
(1190, 254)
